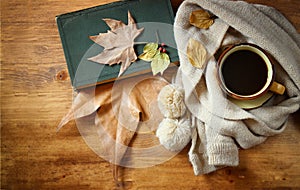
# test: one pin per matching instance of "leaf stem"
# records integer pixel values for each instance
(157, 37)
(138, 43)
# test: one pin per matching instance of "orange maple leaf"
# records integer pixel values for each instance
(118, 43)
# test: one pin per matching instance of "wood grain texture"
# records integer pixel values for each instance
(36, 93)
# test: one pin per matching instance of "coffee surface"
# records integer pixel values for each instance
(244, 72)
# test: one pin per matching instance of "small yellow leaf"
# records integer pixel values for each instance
(149, 51)
(196, 53)
(150, 47)
(160, 63)
(201, 19)
(148, 56)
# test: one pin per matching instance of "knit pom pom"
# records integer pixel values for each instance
(171, 101)
(174, 135)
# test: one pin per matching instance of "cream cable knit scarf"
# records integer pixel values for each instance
(219, 127)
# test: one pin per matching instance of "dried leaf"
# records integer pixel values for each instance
(160, 63)
(201, 19)
(150, 47)
(149, 52)
(148, 56)
(117, 115)
(159, 59)
(196, 53)
(118, 43)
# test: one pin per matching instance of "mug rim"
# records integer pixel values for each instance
(262, 53)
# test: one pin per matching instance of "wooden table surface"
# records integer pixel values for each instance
(36, 93)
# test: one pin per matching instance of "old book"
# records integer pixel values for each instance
(155, 16)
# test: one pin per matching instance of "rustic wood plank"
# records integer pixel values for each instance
(36, 93)
(31, 11)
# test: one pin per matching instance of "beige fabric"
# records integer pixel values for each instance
(219, 126)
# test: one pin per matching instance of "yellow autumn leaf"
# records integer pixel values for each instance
(150, 50)
(201, 19)
(148, 56)
(160, 63)
(196, 53)
(150, 47)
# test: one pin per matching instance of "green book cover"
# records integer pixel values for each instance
(155, 16)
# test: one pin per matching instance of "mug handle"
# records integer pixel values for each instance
(277, 88)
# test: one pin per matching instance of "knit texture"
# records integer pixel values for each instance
(219, 126)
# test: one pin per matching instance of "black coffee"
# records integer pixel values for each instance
(244, 72)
